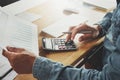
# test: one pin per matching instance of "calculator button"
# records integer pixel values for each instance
(64, 47)
(56, 47)
(62, 44)
(60, 47)
(74, 46)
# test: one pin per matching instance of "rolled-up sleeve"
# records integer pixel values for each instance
(105, 24)
(45, 69)
(106, 21)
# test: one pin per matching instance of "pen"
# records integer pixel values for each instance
(84, 32)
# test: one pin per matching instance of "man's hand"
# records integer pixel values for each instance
(83, 27)
(20, 59)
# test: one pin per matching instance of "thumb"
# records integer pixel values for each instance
(6, 53)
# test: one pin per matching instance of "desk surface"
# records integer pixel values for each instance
(52, 11)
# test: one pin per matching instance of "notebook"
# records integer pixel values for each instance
(17, 33)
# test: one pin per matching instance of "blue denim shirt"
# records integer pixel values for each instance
(45, 69)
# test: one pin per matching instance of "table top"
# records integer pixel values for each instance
(52, 11)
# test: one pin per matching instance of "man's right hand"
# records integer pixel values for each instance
(83, 27)
(20, 59)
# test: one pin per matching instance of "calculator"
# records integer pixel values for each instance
(58, 44)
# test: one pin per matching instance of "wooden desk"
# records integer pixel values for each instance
(52, 11)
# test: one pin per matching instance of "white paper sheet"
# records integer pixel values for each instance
(29, 16)
(57, 28)
(18, 33)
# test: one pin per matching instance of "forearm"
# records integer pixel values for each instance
(45, 69)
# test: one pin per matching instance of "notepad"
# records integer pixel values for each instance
(56, 29)
(17, 33)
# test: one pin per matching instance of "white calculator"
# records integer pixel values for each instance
(58, 44)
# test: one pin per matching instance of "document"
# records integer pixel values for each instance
(16, 32)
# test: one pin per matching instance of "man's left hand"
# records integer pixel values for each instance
(20, 59)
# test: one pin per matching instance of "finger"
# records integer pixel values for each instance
(14, 49)
(75, 31)
(73, 34)
(69, 35)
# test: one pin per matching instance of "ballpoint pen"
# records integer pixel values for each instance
(84, 32)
